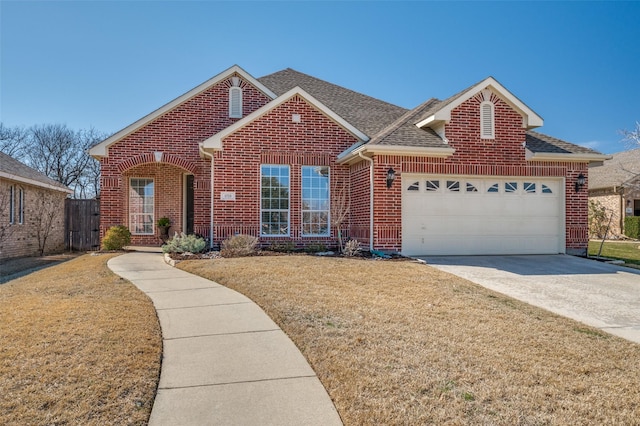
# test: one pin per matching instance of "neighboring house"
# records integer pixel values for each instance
(616, 186)
(276, 157)
(31, 211)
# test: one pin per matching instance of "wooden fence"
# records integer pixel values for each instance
(82, 225)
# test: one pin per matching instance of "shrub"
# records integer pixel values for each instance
(598, 220)
(164, 221)
(184, 243)
(238, 246)
(282, 247)
(351, 248)
(315, 248)
(632, 227)
(116, 238)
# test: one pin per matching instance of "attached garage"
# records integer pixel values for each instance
(459, 215)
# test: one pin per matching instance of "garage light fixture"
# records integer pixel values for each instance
(580, 181)
(391, 176)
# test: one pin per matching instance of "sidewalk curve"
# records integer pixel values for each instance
(224, 360)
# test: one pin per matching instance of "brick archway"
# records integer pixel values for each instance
(150, 158)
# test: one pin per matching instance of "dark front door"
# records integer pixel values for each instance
(189, 209)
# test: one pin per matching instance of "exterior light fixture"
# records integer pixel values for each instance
(391, 176)
(580, 181)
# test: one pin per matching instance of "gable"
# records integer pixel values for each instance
(215, 142)
(101, 149)
(441, 113)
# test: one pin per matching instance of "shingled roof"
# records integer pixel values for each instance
(622, 168)
(391, 125)
(369, 115)
(12, 169)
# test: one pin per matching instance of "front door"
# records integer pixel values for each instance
(188, 204)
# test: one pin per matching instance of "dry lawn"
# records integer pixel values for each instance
(78, 345)
(402, 343)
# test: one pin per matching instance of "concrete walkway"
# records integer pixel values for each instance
(595, 293)
(224, 360)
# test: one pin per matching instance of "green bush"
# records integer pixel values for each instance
(238, 246)
(116, 238)
(282, 246)
(184, 243)
(632, 227)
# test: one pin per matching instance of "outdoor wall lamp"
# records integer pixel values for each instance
(580, 181)
(391, 176)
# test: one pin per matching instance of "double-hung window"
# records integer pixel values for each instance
(20, 206)
(274, 200)
(12, 204)
(315, 200)
(141, 206)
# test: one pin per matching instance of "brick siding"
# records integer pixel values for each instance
(21, 239)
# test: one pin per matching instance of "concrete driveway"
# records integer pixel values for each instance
(598, 294)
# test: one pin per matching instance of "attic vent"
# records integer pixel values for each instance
(235, 102)
(487, 120)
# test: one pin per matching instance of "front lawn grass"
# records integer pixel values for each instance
(78, 346)
(628, 251)
(397, 342)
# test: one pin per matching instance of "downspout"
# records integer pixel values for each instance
(370, 198)
(203, 152)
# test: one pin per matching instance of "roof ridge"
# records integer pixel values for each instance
(330, 83)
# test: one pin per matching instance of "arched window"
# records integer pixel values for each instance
(235, 102)
(487, 120)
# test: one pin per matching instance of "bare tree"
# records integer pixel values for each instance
(6, 228)
(46, 216)
(13, 140)
(58, 152)
(632, 137)
(340, 210)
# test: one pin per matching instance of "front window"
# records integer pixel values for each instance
(315, 200)
(12, 203)
(141, 206)
(274, 200)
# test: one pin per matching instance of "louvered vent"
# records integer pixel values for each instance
(486, 120)
(235, 102)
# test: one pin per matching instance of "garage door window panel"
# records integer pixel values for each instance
(432, 185)
(510, 187)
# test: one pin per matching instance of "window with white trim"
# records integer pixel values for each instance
(20, 206)
(235, 102)
(141, 206)
(487, 110)
(274, 200)
(315, 200)
(12, 204)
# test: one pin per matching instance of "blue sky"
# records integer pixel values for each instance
(107, 64)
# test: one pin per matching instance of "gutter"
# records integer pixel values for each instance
(203, 152)
(370, 198)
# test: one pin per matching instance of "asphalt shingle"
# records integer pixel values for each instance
(14, 167)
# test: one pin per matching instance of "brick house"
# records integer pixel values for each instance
(616, 186)
(31, 211)
(280, 156)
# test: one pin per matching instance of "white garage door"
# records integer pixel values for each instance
(454, 215)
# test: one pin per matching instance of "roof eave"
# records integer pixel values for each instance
(565, 157)
(354, 155)
(34, 182)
